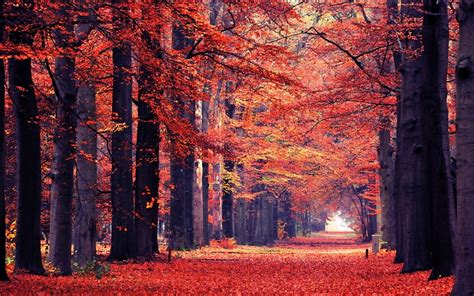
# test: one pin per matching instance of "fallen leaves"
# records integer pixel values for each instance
(310, 265)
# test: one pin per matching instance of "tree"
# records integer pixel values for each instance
(182, 164)
(147, 156)
(123, 228)
(386, 188)
(28, 235)
(464, 284)
(84, 228)
(416, 249)
(62, 171)
(438, 190)
(3, 271)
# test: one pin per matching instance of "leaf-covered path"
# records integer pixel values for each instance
(322, 264)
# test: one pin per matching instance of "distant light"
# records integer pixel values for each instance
(337, 224)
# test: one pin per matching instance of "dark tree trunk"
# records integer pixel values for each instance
(438, 191)
(393, 13)
(182, 169)
(229, 166)
(62, 170)
(84, 227)
(146, 179)
(240, 221)
(385, 156)
(205, 175)
(84, 233)
(28, 235)
(228, 201)
(464, 284)
(412, 155)
(3, 271)
(123, 228)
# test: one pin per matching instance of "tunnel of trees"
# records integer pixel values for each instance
(139, 124)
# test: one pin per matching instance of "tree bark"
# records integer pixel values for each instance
(3, 271)
(123, 228)
(464, 284)
(198, 212)
(182, 169)
(146, 179)
(28, 235)
(412, 182)
(385, 155)
(438, 191)
(62, 170)
(84, 232)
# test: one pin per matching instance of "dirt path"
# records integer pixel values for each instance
(318, 265)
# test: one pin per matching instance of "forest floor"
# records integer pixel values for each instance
(324, 264)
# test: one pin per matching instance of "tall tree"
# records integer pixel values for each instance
(28, 235)
(84, 232)
(216, 198)
(416, 249)
(147, 156)
(464, 284)
(3, 271)
(198, 213)
(438, 192)
(123, 228)
(229, 166)
(182, 168)
(62, 171)
(84, 227)
(385, 155)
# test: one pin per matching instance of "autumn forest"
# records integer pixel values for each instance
(228, 147)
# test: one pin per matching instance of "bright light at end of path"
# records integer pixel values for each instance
(336, 223)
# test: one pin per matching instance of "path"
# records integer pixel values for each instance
(321, 264)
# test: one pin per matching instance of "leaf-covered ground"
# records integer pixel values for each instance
(323, 265)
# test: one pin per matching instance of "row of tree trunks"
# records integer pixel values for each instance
(422, 196)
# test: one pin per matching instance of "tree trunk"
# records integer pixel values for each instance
(85, 234)
(182, 169)
(198, 212)
(205, 176)
(240, 221)
(28, 234)
(123, 228)
(438, 191)
(84, 227)
(62, 171)
(385, 155)
(229, 166)
(412, 182)
(217, 231)
(146, 196)
(3, 271)
(464, 284)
